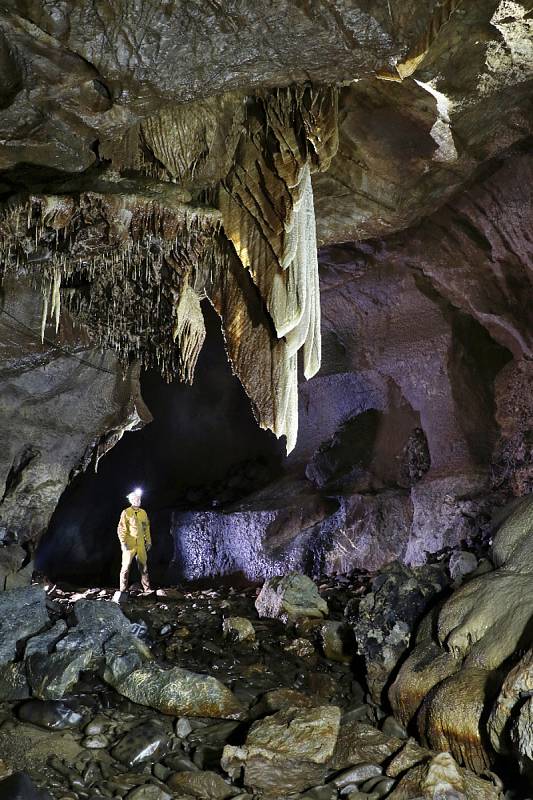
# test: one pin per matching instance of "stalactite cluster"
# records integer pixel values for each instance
(132, 257)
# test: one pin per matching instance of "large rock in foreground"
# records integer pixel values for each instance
(179, 692)
(22, 614)
(289, 597)
(286, 752)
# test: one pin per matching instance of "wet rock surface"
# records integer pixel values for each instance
(306, 724)
(290, 597)
(386, 618)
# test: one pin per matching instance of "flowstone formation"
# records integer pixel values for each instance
(464, 684)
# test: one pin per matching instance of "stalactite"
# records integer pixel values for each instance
(130, 258)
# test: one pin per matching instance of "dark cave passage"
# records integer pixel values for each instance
(203, 449)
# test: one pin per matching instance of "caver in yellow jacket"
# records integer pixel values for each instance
(134, 532)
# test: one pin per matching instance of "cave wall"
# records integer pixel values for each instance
(57, 400)
(416, 427)
(203, 447)
(149, 171)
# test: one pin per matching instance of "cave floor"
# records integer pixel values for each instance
(96, 743)
(182, 627)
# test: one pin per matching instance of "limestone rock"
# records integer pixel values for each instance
(40, 458)
(289, 597)
(337, 641)
(461, 563)
(450, 716)
(22, 613)
(278, 699)
(179, 692)
(12, 574)
(388, 615)
(508, 722)
(522, 735)
(409, 756)
(360, 742)
(124, 653)
(97, 621)
(442, 775)
(202, 785)
(19, 786)
(46, 641)
(238, 628)
(50, 715)
(425, 667)
(13, 682)
(286, 752)
(52, 676)
(144, 743)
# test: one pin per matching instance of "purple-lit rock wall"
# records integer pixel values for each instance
(425, 339)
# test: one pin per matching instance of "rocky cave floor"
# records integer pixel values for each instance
(298, 676)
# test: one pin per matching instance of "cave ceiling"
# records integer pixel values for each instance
(156, 154)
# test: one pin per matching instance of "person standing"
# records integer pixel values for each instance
(135, 540)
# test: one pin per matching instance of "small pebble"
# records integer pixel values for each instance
(96, 742)
(182, 728)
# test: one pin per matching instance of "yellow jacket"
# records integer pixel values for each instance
(134, 532)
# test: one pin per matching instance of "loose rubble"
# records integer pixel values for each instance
(206, 694)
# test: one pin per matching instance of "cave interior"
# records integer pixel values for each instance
(271, 265)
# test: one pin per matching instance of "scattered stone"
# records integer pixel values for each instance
(387, 616)
(22, 614)
(146, 742)
(45, 642)
(19, 786)
(148, 792)
(182, 728)
(442, 777)
(338, 642)
(286, 752)
(177, 691)
(391, 727)
(51, 677)
(359, 742)
(96, 725)
(13, 682)
(239, 629)
(52, 715)
(357, 774)
(290, 597)
(379, 786)
(461, 563)
(302, 648)
(202, 785)
(214, 734)
(180, 762)
(95, 742)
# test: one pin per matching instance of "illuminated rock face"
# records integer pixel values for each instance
(206, 155)
(448, 685)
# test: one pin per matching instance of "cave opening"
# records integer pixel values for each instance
(202, 450)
